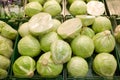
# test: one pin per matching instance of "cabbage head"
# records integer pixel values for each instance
(104, 42)
(40, 24)
(29, 46)
(105, 64)
(24, 67)
(46, 66)
(82, 46)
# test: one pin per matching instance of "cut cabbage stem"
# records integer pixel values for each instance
(30, 74)
(45, 62)
(107, 32)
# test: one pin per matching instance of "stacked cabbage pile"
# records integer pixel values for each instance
(52, 7)
(7, 36)
(69, 42)
(83, 7)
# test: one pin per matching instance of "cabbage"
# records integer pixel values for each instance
(3, 74)
(8, 41)
(70, 28)
(29, 46)
(78, 8)
(105, 64)
(5, 49)
(117, 33)
(32, 8)
(71, 1)
(95, 7)
(24, 29)
(2, 24)
(56, 24)
(101, 23)
(82, 46)
(104, 42)
(90, 0)
(40, 24)
(87, 20)
(4, 62)
(40, 1)
(77, 67)
(52, 7)
(87, 31)
(47, 40)
(46, 67)
(9, 32)
(61, 51)
(59, 1)
(24, 67)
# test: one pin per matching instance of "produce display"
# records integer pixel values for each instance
(83, 7)
(7, 39)
(27, 8)
(46, 45)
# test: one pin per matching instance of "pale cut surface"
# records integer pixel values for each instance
(69, 28)
(95, 8)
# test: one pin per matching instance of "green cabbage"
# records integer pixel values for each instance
(47, 40)
(52, 7)
(32, 8)
(82, 46)
(24, 29)
(77, 67)
(61, 51)
(105, 64)
(104, 42)
(46, 66)
(24, 67)
(87, 31)
(101, 23)
(29, 46)
(4, 62)
(3, 73)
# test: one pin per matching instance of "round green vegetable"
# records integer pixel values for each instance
(61, 52)
(24, 67)
(24, 29)
(9, 32)
(52, 7)
(82, 46)
(47, 40)
(40, 1)
(5, 49)
(87, 20)
(29, 46)
(56, 24)
(77, 67)
(90, 0)
(105, 64)
(87, 31)
(117, 33)
(8, 41)
(4, 62)
(59, 1)
(3, 73)
(104, 42)
(71, 1)
(78, 8)
(32, 8)
(101, 23)
(46, 67)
